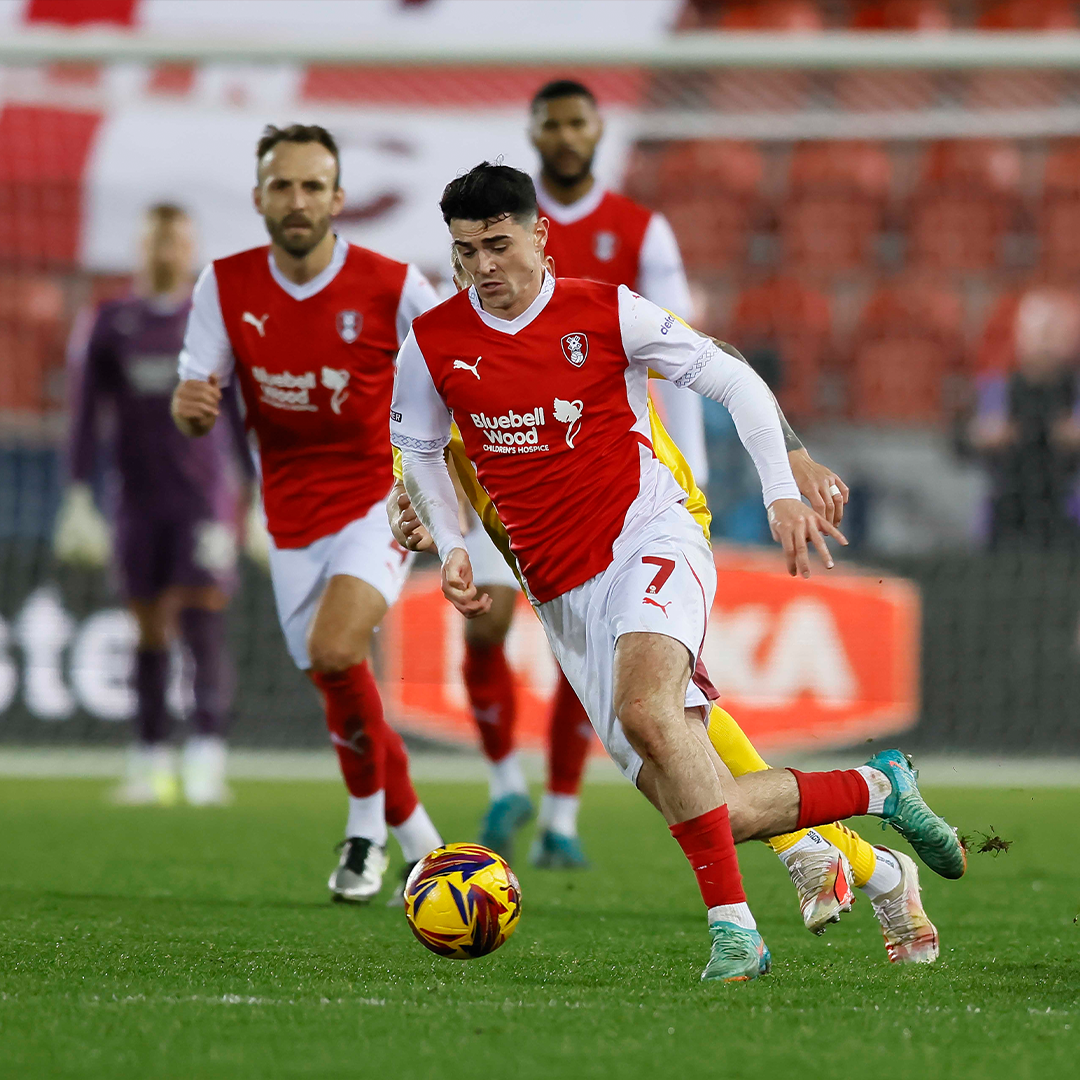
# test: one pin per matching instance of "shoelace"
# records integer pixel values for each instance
(895, 911)
(804, 879)
(731, 946)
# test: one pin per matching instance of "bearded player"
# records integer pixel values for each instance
(624, 593)
(311, 326)
(823, 863)
(174, 544)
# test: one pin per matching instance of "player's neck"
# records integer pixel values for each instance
(567, 194)
(300, 269)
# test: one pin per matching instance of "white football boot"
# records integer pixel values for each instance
(822, 878)
(149, 777)
(202, 771)
(910, 937)
(358, 876)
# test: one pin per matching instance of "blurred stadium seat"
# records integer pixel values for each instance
(995, 350)
(968, 198)
(907, 348)
(786, 325)
(1059, 214)
(1029, 15)
(920, 15)
(794, 16)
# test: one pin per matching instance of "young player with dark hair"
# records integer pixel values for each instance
(311, 326)
(624, 592)
(176, 514)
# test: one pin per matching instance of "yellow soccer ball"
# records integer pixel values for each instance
(462, 901)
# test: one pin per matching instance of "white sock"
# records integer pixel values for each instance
(416, 835)
(886, 875)
(880, 787)
(367, 818)
(506, 777)
(559, 813)
(739, 914)
(812, 841)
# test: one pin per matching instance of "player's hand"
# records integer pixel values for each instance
(795, 525)
(81, 535)
(820, 486)
(405, 524)
(458, 587)
(196, 404)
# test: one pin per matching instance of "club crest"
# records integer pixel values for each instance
(604, 245)
(575, 348)
(348, 325)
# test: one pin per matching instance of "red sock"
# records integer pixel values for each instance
(401, 799)
(489, 682)
(569, 738)
(825, 797)
(358, 730)
(708, 844)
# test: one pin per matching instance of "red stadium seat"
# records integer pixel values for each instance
(856, 169)
(31, 341)
(995, 353)
(1062, 173)
(1059, 237)
(710, 167)
(785, 15)
(794, 321)
(907, 347)
(712, 231)
(968, 198)
(919, 15)
(1029, 15)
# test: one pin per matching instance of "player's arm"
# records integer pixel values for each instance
(420, 429)
(206, 361)
(653, 338)
(81, 534)
(821, 487)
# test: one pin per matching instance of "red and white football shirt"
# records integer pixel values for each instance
(315, 364)
(607, 237)
(552, 409)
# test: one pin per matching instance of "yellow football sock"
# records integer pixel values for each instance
(738, 754)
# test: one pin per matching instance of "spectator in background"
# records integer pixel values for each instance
(176, 512)
(1027, 426)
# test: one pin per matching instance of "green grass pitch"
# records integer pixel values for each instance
(201, 943)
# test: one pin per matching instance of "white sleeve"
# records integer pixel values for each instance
(420, 429)
(651, 336)
(417, 296)
(207, 350)
(661, 277)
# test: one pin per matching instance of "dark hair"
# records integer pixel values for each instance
(164, 213)
(298, 133)
(561, 88)
(488, 192)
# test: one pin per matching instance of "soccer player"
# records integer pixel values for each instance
(311, 325)
(548, 380)
(176, 514)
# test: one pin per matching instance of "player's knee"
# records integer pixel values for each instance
(644, 730)
(330, 657)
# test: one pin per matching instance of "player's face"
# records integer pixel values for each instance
(168, 249)
(503, 259)
(565, 133)
(296, 195)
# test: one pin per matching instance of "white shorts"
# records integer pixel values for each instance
(488, 565)
(661, 581)
(363, 549)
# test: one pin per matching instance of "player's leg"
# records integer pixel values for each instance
(570, 737)
(140, 565)
(815, 860)
(203, 632)
(489, 684)
(406, 817)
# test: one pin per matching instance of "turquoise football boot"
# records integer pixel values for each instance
(738, 955)
(504, 817)
(933, 838)
(557, 851)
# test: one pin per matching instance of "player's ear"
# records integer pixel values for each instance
(540, 231)
(338, 201)
(256, 197)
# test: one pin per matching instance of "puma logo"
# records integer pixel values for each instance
(656, 603)
(460, 365)
(259, 324)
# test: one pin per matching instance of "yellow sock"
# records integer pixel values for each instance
(738, 754)
(860, 854)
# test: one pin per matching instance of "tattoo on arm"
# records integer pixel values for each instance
(791, 441)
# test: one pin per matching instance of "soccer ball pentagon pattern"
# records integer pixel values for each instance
(462, 901)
